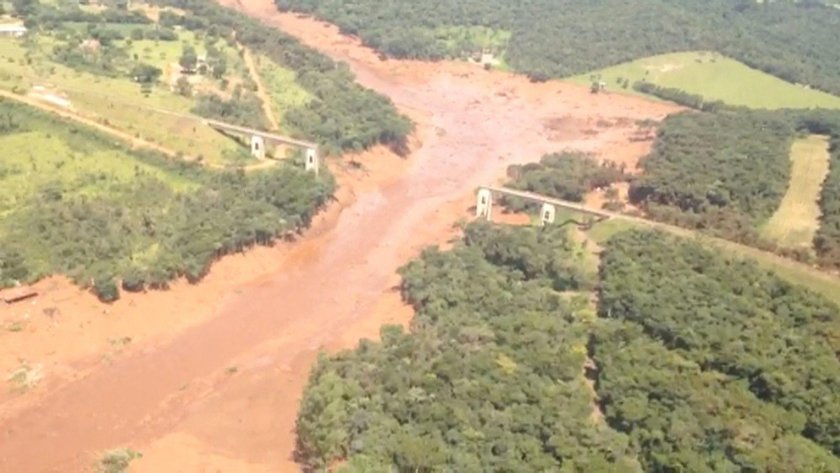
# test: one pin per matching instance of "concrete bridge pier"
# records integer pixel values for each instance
(257, 147)
(484, 204)
(311, 163)
(547, 214)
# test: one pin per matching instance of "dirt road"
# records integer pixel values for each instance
(222, 395)
(254, 72)
(86, 121)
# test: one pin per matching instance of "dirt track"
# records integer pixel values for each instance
(221, 393)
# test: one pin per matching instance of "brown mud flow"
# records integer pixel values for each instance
(223, 394)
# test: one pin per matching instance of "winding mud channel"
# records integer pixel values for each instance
(221, 394)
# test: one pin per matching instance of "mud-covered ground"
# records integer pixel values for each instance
(207, 377)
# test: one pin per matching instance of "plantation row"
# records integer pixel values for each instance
(103, 214)
(704, 363)
(791, 40)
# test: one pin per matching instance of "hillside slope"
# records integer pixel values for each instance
(559, 38)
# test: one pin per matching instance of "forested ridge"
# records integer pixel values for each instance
(795, 41)
(703, 363)
(144, 230)
(489, 377)
(716, 363)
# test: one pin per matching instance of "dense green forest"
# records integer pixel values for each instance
(682, 417)
(702, 363)
(726, 173)
(102, 214)
(795, 41)
(723, 172)
(718, 362)
(489, 378)
(567, 176)
(345, 115)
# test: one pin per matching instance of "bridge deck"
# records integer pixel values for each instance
(541, 199)
(264, 134)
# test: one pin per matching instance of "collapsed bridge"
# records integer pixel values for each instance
(548, 211)
(259, 138)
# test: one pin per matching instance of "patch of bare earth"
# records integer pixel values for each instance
(212, 377)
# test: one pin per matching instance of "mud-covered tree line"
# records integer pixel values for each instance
(555, 38)
(716, 364)
(169, 219)
(489, 377)
(702, 363)
(344, 115)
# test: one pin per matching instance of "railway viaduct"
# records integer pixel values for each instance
(258, 140)
(548, 211)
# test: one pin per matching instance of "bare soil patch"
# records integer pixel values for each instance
(220, 390)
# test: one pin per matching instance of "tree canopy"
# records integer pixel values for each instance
(489, 378)
(733, 365)
(169, 219)
(701, 362)
(795, 41)
(344, 115)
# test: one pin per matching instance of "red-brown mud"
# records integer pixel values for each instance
(218, 389)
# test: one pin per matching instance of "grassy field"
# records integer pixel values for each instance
(119, 101)
(164, 54)
(714, 77)
(797, 219)
(281, 87)
(49, 155)
(12, 62)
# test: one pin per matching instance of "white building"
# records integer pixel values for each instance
(17, 30)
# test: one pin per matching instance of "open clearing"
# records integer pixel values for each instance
(280, 86)
(122, 101)
(212, 380)
(797, 219)
(714, 77)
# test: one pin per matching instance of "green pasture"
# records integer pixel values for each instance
(714, 77)
(66, 160)
(281, 87)
(797, 219)
(119, 102)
